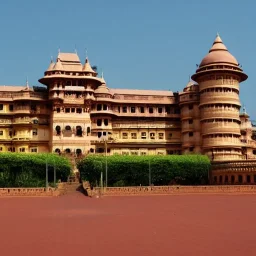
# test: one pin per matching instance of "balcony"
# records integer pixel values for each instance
(208, 128)
(22, 110)
(188, 98)
(145, 125)
(103, 112)
(215, 113)
(228, 83)
(189, 114)
(22, 121)
(226, 142)
(29, 96)
(214, 98)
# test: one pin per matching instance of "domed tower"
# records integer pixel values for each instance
(190, 119)
(218, 76)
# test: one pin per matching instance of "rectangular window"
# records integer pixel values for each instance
(34, 132)
(34, 150)
(99, 122)
(1, 149)
(190, 121)
(99, 106)
(160, 110)
(119, 109)
(191, 134)
(79, 110)
(161, 136)
(142, 110)
(67, 110)
(10, 107)
(125, 135)
(134, 153)
(134, 135)
(168, 110)
(143, 153)
(1, 133)
(73, 110)
(152, 135)
(104, 133)
(125, 109)
(58, 110)
(22, 149)
(150, 110)
(106, 122)
(133, 110)
(143, 135)
(1, 106)
(105, 107)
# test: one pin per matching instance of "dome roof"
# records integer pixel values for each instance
(218, 54)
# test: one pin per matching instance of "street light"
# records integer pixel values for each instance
(105, 140)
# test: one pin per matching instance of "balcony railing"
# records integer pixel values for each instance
(213, 113)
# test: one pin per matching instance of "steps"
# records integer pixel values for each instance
(68, 188)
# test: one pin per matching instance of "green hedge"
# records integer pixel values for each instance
(28, 170)
(134, 170)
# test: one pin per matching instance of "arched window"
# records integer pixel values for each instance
(58, 130)
(57, 150)
(78, 151)
(67, 150)
(79, 131)
(68, 128)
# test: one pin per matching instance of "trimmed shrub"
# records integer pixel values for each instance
(136, 170)
(29, 170)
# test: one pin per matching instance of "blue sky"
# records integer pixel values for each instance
(143, 44)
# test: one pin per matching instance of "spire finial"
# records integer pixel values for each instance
(218, 34)
(102, 74)
(27, 85)
(86, 53)
(244, 109)
(51, 58)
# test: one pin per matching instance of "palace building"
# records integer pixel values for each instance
(76, 113)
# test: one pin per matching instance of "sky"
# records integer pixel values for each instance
(138, 44)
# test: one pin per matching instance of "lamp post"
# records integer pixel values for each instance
(149, 173)
(106, 162)
(46, 174)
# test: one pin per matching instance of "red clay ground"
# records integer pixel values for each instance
(146, 225)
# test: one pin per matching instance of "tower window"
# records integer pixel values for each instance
(99, 122)
(125, 135)
(1, 106)
(124, 109)
(142, 110)
(191, 134)
(151, 110)
(143, 135)
(190, 121)
(161, 136)
(106, 122)
(132, 109)
(160, 110)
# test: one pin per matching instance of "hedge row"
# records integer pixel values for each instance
(136, 170)
(29, 170)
